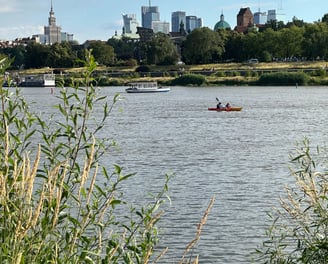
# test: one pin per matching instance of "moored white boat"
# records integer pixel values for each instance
(44, 80)
(145, 87)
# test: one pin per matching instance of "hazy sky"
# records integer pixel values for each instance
(98, 19)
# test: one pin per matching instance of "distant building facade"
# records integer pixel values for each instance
(274, 16)
(159, 26)
(130, 24)
(149, 14)
(193, 22)
(52, 31)
(245, 20)
(260, 18)
(177, 18)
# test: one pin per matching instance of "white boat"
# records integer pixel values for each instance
(145, 87)
(44, 80)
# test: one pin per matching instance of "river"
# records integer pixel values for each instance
(241, 158)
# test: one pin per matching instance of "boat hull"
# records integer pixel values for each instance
(146, 90)
(45, 80)
(225, 109)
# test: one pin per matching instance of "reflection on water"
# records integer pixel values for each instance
(240, 157)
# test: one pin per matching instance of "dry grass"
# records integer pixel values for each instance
(193, 243)
(215, 67)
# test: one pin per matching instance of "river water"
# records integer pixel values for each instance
(241, 158)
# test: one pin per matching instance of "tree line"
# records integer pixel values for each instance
(295, 40)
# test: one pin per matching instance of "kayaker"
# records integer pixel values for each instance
(228, 105)
(219, 105)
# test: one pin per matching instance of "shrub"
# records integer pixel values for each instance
(220, 74)
(189, 79)
(283, 78)
(143, 68)
(298, 233)
(266, 56)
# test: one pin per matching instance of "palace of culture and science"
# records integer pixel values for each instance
(52, 32)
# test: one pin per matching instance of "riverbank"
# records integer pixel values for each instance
(215, 74)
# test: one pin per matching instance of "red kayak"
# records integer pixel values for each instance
(226, 109)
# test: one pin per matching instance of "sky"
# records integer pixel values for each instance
(99, 19)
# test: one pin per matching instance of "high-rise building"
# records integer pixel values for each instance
(193, 22)
(159, 26)
(260, 18)
(274, 16)
(148, 15)
(177, 18)
(52, 31)
(130, 24)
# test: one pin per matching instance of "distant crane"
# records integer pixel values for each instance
(280, 5)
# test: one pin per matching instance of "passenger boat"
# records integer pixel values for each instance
(44, 80)
(145, 87)
(226, 109)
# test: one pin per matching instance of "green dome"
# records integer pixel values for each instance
(221, 24)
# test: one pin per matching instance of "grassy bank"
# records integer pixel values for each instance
(215, 74)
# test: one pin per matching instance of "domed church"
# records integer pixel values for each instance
(221, 24)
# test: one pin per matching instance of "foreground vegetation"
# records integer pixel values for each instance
(298, 231)
(53, 206)
(53, 209)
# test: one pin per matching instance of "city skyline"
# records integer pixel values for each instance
(88, 20)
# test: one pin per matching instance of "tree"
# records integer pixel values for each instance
(61, 55)
(253, 45)
(103, 53)
(36, 55)
(202, 45)
(325, 18)
(161, 50)
(270, 42)
(18, 54)
(290, 40)
(124, 48)
(315, 42)
(234, 49)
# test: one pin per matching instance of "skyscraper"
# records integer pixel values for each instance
(52, 31)
(274, 16)
(130, 24)
(176, 19)
(148, 15)
(193, 22)
(260, 18)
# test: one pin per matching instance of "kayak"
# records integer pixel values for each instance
(225, 109)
